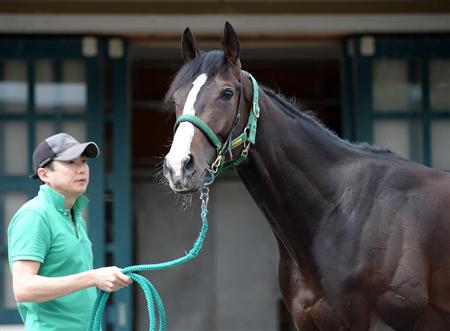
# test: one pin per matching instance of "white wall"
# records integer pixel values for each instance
(232, 284)
(11, 327)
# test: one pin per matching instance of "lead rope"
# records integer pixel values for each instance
(151, 294)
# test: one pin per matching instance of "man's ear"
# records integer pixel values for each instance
(43, 174)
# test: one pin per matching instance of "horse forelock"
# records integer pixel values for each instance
(209, 63)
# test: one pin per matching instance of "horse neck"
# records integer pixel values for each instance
(293, 173)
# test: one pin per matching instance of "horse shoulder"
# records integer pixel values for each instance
(304, 297)
(411, 204)
(371, 249)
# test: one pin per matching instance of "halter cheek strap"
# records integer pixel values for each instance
(246, 138)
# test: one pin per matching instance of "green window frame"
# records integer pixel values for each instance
(360, 53)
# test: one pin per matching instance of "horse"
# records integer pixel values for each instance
(363, 234)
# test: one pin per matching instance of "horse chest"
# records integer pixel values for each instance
(305, 300)
(349, 305)
(381, 274)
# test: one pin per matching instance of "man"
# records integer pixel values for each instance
(49, 251)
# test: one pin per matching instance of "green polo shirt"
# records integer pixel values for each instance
(42, 230)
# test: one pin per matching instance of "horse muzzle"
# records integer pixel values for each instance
(181, 178)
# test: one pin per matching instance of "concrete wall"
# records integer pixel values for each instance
(232, 284)
(12, 327)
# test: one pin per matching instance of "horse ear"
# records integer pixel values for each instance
(189, 46)
(230, 44)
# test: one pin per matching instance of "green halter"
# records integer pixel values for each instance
(246, 138)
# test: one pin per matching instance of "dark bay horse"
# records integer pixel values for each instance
(363, 234)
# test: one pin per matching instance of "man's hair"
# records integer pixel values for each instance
(50, 166)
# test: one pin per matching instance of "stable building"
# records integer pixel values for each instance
(373, 71)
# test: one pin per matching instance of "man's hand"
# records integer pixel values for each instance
(110, 279)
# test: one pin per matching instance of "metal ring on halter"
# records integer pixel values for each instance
(244, 152)
(204, 192)
(216, 164)
(204, 196)
(212, 176)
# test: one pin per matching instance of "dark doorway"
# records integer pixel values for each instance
(308, 75)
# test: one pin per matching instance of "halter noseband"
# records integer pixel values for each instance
(246, 138)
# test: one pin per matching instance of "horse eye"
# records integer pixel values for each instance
(227, 94)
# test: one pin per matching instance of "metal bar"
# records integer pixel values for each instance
(96, 189)
(31, 111)
(48, 48)
(347, 50)
(121, 185)
(404, 115)
(38, 116)
(57, 108)
(426, 119)
(363, 100)
(2, 135)
(3, 248)
(415, 106)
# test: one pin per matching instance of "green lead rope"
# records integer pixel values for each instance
(151, 294)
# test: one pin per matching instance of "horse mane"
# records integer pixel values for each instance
(294, 110)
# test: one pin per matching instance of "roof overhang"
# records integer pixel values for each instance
(254, 25)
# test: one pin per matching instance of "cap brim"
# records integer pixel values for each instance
(89, 149)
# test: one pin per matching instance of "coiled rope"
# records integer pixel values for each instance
(151, 294)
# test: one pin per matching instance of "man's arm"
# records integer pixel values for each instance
(28, 286)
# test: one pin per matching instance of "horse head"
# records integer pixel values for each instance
(205, 95)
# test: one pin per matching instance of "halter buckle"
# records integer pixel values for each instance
(244, 152)
(216, 164)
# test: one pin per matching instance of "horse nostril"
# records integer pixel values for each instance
(188, 164)
(167, 169)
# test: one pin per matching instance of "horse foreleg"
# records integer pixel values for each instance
(297, 295)
(303, 300)
(325, 317)
(309, 312)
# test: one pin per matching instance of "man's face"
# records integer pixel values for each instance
(70, 178)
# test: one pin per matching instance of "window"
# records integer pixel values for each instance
(41, 93)
(398, 95)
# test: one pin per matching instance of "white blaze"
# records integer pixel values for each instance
(182, 140)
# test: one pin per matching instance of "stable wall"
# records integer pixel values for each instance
(232, 284)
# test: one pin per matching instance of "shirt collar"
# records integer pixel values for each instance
(58, 200)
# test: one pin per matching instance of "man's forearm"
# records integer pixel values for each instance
(35, 288)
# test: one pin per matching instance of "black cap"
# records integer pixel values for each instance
(60, 147)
